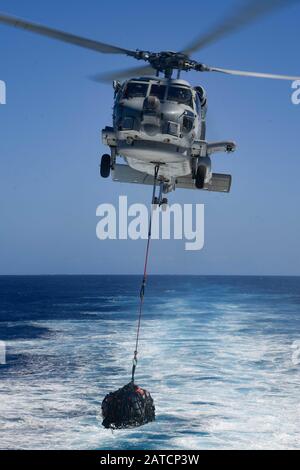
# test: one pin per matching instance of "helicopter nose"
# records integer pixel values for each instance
(151, 121)
(151, 129)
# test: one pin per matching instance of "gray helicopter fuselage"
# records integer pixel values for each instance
(157, 120)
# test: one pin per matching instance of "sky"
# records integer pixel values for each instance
(50, 144)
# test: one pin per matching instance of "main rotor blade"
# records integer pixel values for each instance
(246, 14)
(63, 36)
(252, 74)
(121, 74)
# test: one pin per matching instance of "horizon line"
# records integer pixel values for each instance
(149, 275)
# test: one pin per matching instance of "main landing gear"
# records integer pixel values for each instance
(105, 166)
(200, 177)
(108, 162)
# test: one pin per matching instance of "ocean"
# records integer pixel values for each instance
(219, 355)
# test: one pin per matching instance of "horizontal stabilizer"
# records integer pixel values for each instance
(124, 174)
(219, 183)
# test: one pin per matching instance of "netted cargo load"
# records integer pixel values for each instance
(128, 407)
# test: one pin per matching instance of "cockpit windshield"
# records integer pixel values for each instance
(159, 91)
(135, 90)
(180, 95)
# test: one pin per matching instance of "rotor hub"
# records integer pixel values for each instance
(168, 61)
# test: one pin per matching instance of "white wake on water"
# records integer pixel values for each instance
(214, 384)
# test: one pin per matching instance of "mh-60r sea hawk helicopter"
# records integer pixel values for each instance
(159, 123)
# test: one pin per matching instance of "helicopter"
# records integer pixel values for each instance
(159, 121)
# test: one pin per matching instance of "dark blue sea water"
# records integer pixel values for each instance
(220, 356)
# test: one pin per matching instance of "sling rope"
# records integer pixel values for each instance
(144, 281)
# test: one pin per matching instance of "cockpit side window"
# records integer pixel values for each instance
(180, 95)
(159, 91)
(198, 104)
(135, 90)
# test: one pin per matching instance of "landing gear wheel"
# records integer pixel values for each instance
(200, 177)
(105, 166)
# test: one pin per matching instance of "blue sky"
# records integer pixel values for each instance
(50, 141)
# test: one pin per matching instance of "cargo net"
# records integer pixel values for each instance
(128, 407)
